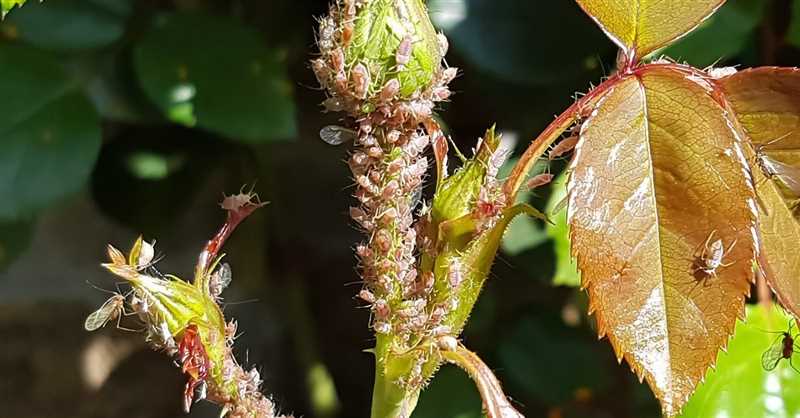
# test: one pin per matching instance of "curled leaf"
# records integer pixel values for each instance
(658, 178)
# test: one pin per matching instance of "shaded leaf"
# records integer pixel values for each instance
(640, 27)
(533, 356)
(658, 171)
(739, 386)
(49, 132)
(451, 394)
(793, 32)
(566, 268)
(70, 24)
(722, 36)
(523, 233)
(766, 102)
(488, 33)
(216, 74)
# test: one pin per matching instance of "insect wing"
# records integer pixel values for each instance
(105, 313)
(773, 355)
(788, 175)
(336, 135)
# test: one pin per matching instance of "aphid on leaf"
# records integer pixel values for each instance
(111, 309)
(403, 53)
(389, 90)
(772, 169)
(220, 279)
(782, 348)
(710, 258)
(563, 147)
(336, 135)
(361, 79)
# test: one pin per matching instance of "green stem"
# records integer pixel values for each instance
(390, 400)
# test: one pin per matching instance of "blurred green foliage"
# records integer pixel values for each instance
(740, 387)
(153, 109)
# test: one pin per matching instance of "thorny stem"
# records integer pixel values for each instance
(575, 113)
(495, 402)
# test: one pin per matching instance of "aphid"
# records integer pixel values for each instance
(454, 274)
(382, 327)
(449, 74)
(230, 330)
(441, 93)
(444, 45)
(563, 147)
(710, 258)
(539, 180)
(389, 90)
(782, 348)
(381, 309)
(112, 309)
(146, 255)
(447, 342)
(337, 60)
(403, 53)
(390, 189)
(375, 152)
(220, 279)
(383, 240)
(327, 27)
(194, 361)
(366, 296)
(347, 32)
(393, 136)
(361, 79)
(336, 135)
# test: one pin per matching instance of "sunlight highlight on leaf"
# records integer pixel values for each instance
(640, 27)
(641, 224)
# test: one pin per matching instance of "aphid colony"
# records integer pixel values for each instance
(185, 320)
(388, 166)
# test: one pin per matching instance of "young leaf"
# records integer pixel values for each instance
(739, 386)
(640, 27)
(658, 178)
(766, 102)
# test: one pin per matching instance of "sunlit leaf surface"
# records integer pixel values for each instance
(218, 75)
(49, 132)
(657, 172)
(767, 104)
(642, 26)
(740, 387)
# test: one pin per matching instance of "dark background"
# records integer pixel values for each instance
(122, 117)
